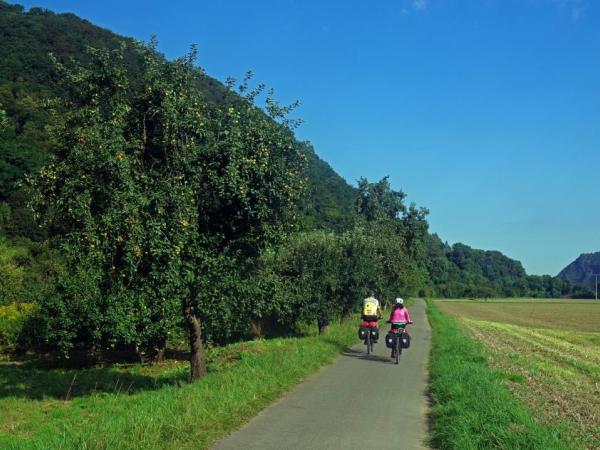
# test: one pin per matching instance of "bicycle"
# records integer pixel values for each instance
(398, 329)
(369, 338)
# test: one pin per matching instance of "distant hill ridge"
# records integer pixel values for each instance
(582, 270)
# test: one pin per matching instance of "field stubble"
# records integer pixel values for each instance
(554, 371)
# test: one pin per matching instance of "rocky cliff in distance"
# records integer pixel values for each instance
(582, 270)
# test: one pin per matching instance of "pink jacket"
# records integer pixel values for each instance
(400, 315)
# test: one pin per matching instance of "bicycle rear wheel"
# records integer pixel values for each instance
(397, 348)
(369, 345)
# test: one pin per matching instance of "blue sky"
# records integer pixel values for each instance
(486, 112)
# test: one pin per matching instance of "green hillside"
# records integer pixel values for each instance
(28, 81)
(331, 203)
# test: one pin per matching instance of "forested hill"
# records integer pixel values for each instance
(582, 270)
(331, 202)
(28, 37)
(28, 81)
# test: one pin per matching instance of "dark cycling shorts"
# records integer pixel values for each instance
(370, 318)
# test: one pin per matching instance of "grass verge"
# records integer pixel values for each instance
(472, 408)
(176, 415)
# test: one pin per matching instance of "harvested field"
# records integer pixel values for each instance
(564, 315)
(554, 371)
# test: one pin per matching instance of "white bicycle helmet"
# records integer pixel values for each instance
(399, 301)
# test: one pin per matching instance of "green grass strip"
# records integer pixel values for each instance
(472, 408)
(188, 416)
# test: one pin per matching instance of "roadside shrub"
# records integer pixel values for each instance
(27, 270)
(12, 320)
(11, 274)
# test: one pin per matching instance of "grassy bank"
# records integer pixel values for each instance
(472, 407)
(143, 407)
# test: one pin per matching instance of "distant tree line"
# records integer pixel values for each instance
(461, 271)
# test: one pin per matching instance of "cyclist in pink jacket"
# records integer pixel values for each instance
(399, 312)
(399, 315)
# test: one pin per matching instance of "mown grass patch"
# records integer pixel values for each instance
(134, 407)
(472, 407)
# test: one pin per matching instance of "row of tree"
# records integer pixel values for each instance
(170, 212)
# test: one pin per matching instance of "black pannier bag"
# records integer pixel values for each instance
(389, 340)
(405, 340)
(374, 334)
(362, 333)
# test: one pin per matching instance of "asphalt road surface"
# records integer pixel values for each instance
(359, 402)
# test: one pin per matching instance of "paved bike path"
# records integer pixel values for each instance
(360, 401)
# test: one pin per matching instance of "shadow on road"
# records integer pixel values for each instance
(362, 355)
